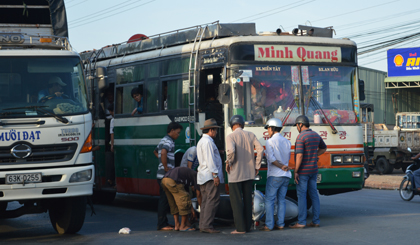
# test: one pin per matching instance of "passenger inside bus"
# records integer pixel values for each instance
(137, 95)
(258, 98)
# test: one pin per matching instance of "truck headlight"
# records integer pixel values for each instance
(337, 159)
(347, 159)
(357, 159)
(81, 176)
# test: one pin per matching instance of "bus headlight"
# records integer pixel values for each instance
(337, 159)
(357, 159)
(81, 176)
(357, 174)
(347, 159)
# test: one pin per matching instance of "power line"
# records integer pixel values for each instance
(282, 10)
(113, 14)
(265, 12)
(84, 1)
(103, 11)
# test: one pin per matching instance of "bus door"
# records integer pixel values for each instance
(210, 79)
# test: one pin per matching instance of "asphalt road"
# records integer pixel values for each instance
(364, 217)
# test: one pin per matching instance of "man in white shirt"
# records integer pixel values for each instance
(190, 159)
(278, 174)
(210, 175)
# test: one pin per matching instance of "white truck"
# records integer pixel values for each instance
(388, 146)
(45, 125)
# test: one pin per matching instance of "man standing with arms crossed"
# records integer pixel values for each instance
(278, 175)
(242, 169)
(210, 175)
(309, 145)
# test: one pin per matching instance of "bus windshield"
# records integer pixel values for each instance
(41, 86)
(263, 92)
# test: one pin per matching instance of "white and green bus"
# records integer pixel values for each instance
(217, 71)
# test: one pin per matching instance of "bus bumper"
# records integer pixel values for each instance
(330, 181)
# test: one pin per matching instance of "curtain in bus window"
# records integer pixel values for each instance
(152, 88)
(173, 93)
(154, 69)
(139, 73)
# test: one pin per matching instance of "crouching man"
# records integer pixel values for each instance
(175, 183)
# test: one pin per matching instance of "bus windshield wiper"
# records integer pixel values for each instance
(41, 109)
(316, 105)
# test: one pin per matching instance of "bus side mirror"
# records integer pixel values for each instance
(361, 90)
(224, 93)
(101, 75)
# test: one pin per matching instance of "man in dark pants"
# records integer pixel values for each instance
(242, 169)
(165, 151)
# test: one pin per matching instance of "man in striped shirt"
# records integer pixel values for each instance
(165, 151)
(309, 145)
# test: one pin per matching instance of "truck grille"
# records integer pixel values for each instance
(40, 154)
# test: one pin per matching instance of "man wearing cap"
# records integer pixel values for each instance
(278, 175)
(242, 169)
(309, 145)
(55, 86)
(210, 175)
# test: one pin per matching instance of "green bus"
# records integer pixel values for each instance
(216, 71)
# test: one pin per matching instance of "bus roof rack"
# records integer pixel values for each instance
(167, 39)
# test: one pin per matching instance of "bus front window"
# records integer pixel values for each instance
(330, 89)
(263, 92)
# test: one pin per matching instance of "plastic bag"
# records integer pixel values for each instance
(125, 231)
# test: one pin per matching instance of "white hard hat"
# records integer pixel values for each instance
(274, 122)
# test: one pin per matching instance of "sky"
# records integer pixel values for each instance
(372, 24)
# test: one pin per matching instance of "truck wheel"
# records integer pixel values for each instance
(383, 166)
(405, 190)
(67, 215)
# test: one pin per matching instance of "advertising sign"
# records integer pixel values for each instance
(297, 53)
(403, 62)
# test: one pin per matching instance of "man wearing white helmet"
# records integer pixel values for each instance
(278, 175)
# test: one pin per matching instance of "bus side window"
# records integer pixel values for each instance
(124, 102)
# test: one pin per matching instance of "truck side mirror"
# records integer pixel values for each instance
(224, 93)
(101, 75)
(361, 90)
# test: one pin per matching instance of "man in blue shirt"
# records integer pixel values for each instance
(278, 175)
(136, 93)
(55, 86)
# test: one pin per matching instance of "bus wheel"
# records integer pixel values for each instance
(67, 215)
(383, 166)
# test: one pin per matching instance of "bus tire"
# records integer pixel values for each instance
(383, 166)
(67, 215)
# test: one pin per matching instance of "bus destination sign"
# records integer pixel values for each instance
(297, 53)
